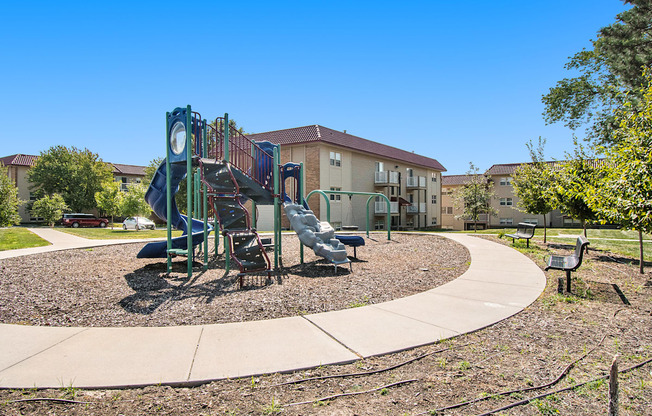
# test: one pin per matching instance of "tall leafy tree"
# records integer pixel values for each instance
(613, 66)
(150, 170)
(109, 199)
(533, 183)
(474, 197)
(9, 201)
(50, 208)
(74, 174)
(624, 194)
(573, 181)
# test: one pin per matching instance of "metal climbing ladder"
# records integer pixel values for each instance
(233, 174)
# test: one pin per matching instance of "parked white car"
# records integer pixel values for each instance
(138, 223)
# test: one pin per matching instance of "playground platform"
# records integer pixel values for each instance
(499, 283)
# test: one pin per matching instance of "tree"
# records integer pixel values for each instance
(611, 68)
(50, 208)
(533, 184)
(624, 194)
(133, 202)
(573, 181)
(150, 170)
(9, 201)
(109, 199)
(74, 174)
(475, 196)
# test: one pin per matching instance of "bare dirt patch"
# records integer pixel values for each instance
(582, 330)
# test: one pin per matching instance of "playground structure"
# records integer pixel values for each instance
(223, 170)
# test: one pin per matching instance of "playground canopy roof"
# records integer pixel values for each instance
(317, 133)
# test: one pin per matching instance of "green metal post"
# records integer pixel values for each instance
(189, 194)
(227, 254)
(277, 208)
(254, 219)
(205, 193)
(168, 190)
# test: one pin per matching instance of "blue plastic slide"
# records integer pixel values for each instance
(156, 198)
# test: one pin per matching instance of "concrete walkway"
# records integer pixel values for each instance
(499, 283)
(60, 240)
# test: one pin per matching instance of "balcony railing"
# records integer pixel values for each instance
(386, 177)
(416, 181)
(380, 207)
(415, 209)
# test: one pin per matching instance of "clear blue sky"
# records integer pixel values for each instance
(456, 81)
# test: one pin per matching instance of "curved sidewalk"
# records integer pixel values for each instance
(499, 283)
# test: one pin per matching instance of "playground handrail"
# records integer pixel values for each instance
(240, 151)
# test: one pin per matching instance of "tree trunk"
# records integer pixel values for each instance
(545, 229)
(640, 248)
(584, 227)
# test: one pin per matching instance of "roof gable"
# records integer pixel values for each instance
(18, 160)
(317, 133)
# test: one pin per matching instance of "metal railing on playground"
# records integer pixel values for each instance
(241, 152)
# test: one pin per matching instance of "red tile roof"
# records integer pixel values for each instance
(509, 168)
(18, 160)
(28, 160)
(317, 133)
(453, 180)
(128, 169)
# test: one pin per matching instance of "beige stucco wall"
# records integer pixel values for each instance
(356, 173)
(18, 175)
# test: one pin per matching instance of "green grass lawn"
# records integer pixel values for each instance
(116, 233)
(17, 237)
(620, 242)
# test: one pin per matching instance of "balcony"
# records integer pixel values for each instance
(380, 207)
(386, 177)
(416, 209)
(416, 181)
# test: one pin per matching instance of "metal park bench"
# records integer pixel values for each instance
(523, 231)
(568, 263)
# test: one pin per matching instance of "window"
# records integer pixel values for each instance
(336, 159)
(379, 225)
(335, 197)
(410, 172)
(506, 202)
(379, 167)
(433, 199)
(449, 210)
(433, 177)
(434, 221)
(505, 181)
(534, 221)
(506, 221)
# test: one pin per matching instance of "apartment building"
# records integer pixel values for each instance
(337, 161)
(17, 166)
(505, 203)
